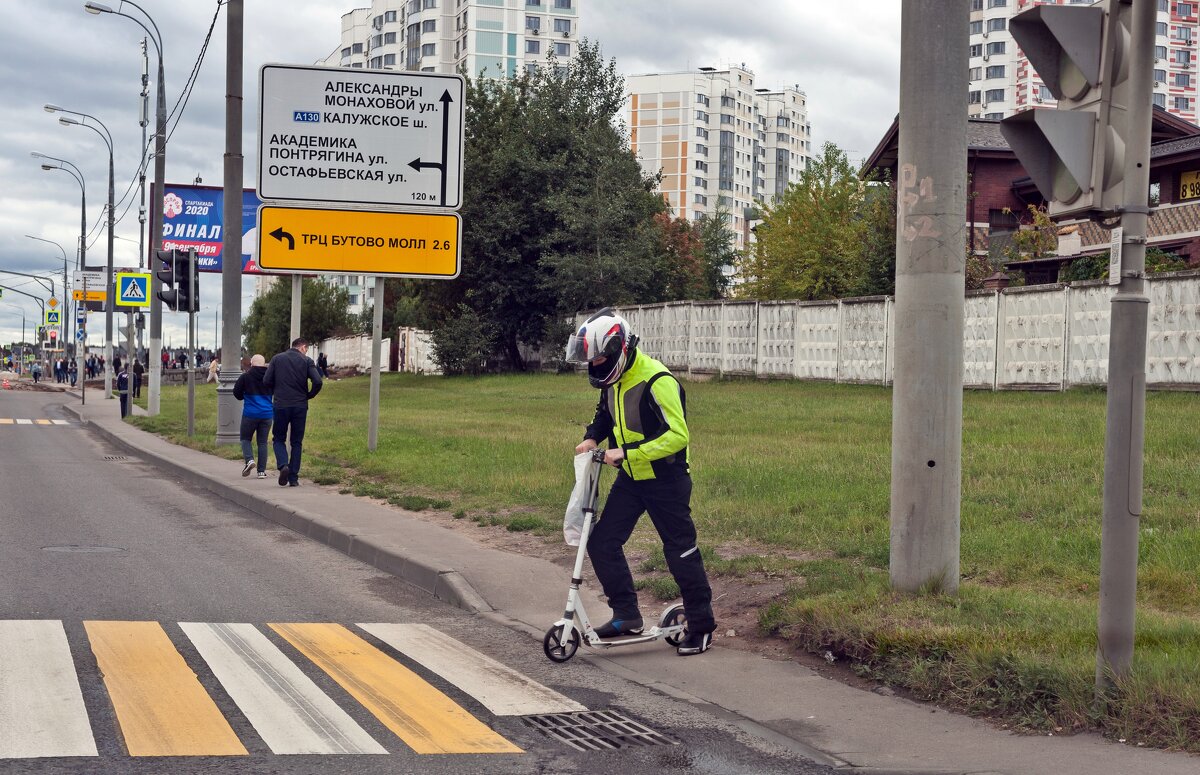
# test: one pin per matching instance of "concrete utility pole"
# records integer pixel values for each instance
(1125, 432)
(376, 340)
(297, 294)
(229, 409)
(930, 281)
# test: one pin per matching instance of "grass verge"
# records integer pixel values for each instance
(796, 474)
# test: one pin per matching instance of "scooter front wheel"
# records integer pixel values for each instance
(674, 617)
(556, 650)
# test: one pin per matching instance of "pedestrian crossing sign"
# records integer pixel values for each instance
(133, 289)
(53, 317)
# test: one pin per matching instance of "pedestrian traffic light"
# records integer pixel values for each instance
(1075, 153)
(179, 275)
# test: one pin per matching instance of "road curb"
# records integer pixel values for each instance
(444, 583)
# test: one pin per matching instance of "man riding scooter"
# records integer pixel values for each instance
(642, 415)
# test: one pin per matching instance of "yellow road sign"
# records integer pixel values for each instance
(307, 240)
(52, 303)
(91, 296)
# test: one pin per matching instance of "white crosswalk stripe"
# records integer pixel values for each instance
(285, 707)
(498, 687)
(41, 706)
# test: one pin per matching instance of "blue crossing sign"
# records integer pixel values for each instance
(133, 289)
(53, 317)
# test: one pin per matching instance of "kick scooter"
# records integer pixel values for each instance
(564, 636)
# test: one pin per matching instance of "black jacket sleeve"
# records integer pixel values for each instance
(239, 387)
(601, 426)
(314, 377)
(269, 377)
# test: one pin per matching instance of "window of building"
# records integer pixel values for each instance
(376, 62)
(1160, 100)
(976, 27)
(700, 150)
(995, 71)
(414, 6)
(976, 50)
(701, 132)
(993, 116)
(430, 4)
(700, 199)
(974, 73)
(533, 46)
(1183, 33)
(702, 166)
(562, 25)
(1182, 103)
(726, 118)
(1160, 29)
(533, 2)
(701, 116)
(997, 3)
(429, 25)
(345, 52)
(1183, 57)
(995, 25)
(353, 298)
(389, 59)
(429, 49)
(389, 16)
(1183, 9)
(973, 97)
(1160, 52)
(1042, 93)
(993, 95)
(531, 68)
(562, 4)
(1162, 5)
(702, 99)
(1183, 79)
(376, 41)
(562, 49)
(727, 102)
(996, 48)
(356, 64)
(1160, 77)
(533, 22)
(976, 5)
(357, 48)
(389, 37)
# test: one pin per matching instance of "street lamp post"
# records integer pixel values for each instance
(82, 263)
(160, 169)
(110, 291)
(66, 304)
(16, 362)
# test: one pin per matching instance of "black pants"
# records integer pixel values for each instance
(124, 404)
(137, 385)
(669, 504)
(292, 418)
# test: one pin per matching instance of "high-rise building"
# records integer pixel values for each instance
(1002, 82)
(718, 140)
(493, 37)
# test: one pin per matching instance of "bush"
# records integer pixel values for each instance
(462, 344)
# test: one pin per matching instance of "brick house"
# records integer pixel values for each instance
(997, 182)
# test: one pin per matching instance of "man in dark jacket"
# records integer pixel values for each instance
(288, 377)
(256, 414)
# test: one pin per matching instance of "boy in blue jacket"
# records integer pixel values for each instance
(256, 414)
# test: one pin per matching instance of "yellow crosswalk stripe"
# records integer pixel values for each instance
(6, 421)
(161, 707)
(42, 422)
(420, 715)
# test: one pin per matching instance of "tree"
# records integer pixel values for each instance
(718, 254)
(324, 312)
(810, 242)
(1096, 267)
(878, 214)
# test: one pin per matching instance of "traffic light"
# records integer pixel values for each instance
(1075, 153)
(181, 278)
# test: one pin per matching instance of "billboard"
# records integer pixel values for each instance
(193, 219)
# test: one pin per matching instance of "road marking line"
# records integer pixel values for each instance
(393, 693)
(288, 710)
(498, 687)
(41, 706)
(160, 705)
(6, 421)
(24, 422)
(41, 422)
(60, 422)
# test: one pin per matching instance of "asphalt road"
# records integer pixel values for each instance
(92, 534)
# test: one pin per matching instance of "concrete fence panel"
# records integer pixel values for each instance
(816, 340)
(864, 333)
(776, 339)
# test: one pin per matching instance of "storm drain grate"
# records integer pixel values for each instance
(597, 730)
(116, 458)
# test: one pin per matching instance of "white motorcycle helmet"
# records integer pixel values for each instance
(605, 334)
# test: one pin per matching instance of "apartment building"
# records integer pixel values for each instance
(1002, 82)
(495, 38)
(718, 140)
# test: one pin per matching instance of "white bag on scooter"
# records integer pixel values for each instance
(573, 519)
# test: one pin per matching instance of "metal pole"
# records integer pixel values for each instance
(111, 299)
(1125, 432)
(930, 275)
(297, 292)
(156, 223)
(81, 352)
(376, 340)
(229, 409)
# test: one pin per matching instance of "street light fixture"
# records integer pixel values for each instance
(110, 290)
(66, 303)
(160, 169)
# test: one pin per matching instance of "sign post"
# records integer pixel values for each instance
(388, 140)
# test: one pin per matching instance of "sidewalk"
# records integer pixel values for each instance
(787, 703)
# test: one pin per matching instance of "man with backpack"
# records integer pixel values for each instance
(642, 415)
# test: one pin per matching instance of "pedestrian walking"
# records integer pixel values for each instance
(288, 378)
(73, 372)
(257, 414)
(138, 371)
(37, 372)
(642, 415)
(213, 367)
(323, 366)
(123, 390)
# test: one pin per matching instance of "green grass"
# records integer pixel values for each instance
(795, 476)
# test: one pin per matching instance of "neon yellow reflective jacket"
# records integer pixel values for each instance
(644, 413)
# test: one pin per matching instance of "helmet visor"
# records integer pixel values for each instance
(577, 349)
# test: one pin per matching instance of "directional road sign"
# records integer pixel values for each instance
(133, 289)
(91, 295)
(305, 240)
(382, 137)
(53, 317)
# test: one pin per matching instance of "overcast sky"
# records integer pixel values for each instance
(845, 55)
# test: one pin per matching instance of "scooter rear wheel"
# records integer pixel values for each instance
(673, 617)
(556, 650)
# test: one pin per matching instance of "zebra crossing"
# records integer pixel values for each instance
(14, 421)
(162, 708)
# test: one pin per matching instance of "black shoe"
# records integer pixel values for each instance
(695, 643)
(294, 484)
(248, 467)
(619, 627)
(284, 473)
